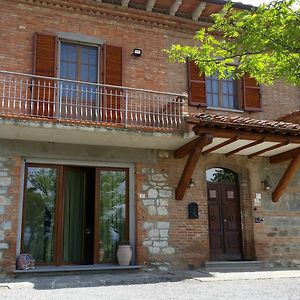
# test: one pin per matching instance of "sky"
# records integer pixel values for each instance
(252, 2)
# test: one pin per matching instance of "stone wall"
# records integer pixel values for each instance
(277, 239)
(9, 208)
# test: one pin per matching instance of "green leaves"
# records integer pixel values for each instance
(264, 42)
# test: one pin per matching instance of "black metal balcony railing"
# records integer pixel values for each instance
(30, 96)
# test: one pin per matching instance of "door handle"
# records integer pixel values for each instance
(225, 220)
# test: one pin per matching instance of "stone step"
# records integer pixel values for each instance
(231, 266)
(75, 269)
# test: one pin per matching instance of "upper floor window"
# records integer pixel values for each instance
(211, 92)
(221, 92)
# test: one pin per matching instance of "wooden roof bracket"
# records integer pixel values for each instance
(291, 170)
(194, 149)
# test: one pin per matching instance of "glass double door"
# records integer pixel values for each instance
(74, 215)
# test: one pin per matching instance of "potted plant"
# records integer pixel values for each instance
(124, 253)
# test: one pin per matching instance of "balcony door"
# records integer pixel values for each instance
(78, 62)
(74, 215)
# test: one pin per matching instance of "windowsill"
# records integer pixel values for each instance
(225, 109)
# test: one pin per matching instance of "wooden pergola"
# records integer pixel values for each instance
(276, 140)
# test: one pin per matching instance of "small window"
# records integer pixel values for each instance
(221, 92)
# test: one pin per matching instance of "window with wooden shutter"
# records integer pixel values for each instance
(251, 94)
(113, 101)
(44, 64)
(197, 91)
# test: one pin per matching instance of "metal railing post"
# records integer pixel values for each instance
(126, 109)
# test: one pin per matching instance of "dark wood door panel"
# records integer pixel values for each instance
(214, 212)
(224, 221)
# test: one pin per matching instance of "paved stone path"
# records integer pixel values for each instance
(151, 286)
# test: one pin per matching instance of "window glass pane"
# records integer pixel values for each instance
(225, 101)
(72, 53)
(93, 74)
(84, 73)
(209, 99)
(216, 100)
(40, 201)
(224, 87)
(64, 52)
(215, 86)
(72, 71)
(63, 70)
(85, 55)
(208, 85)
(231, 102)
(112, 217)
(93, 56)
(230, 87)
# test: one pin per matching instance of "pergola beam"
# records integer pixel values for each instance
(190, 166)
(268, 149)
(245, 147)
(198, 11)
(287, 176)
(234, 139)
(186, 149)
(284, 156)
(150, 4)
(125, 3)
(174, 8)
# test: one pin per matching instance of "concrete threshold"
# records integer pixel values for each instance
(251, 275)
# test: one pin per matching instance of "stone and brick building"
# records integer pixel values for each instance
(103, 140)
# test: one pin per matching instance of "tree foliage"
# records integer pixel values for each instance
(263, 42)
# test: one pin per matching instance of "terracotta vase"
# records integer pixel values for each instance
(124, 255)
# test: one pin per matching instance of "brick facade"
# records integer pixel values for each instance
(165, 237)
(151, 71)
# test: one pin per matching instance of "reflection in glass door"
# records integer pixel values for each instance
(39, 213)
(112, 212)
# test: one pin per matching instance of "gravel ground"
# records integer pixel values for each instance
(187, 289)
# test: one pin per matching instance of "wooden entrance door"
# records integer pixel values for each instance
(224, 222)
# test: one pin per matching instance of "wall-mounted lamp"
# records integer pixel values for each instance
(192, 183)
(265, 185)
(137, 52)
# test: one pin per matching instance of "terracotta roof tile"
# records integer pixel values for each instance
(242, 123)
(293, 117)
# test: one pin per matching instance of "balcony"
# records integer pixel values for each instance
(47, 99)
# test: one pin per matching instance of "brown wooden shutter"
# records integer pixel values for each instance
(251, 94)
(113, 65)
(113, 101)
(196, 82)
(45, 54)
(44, 64)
